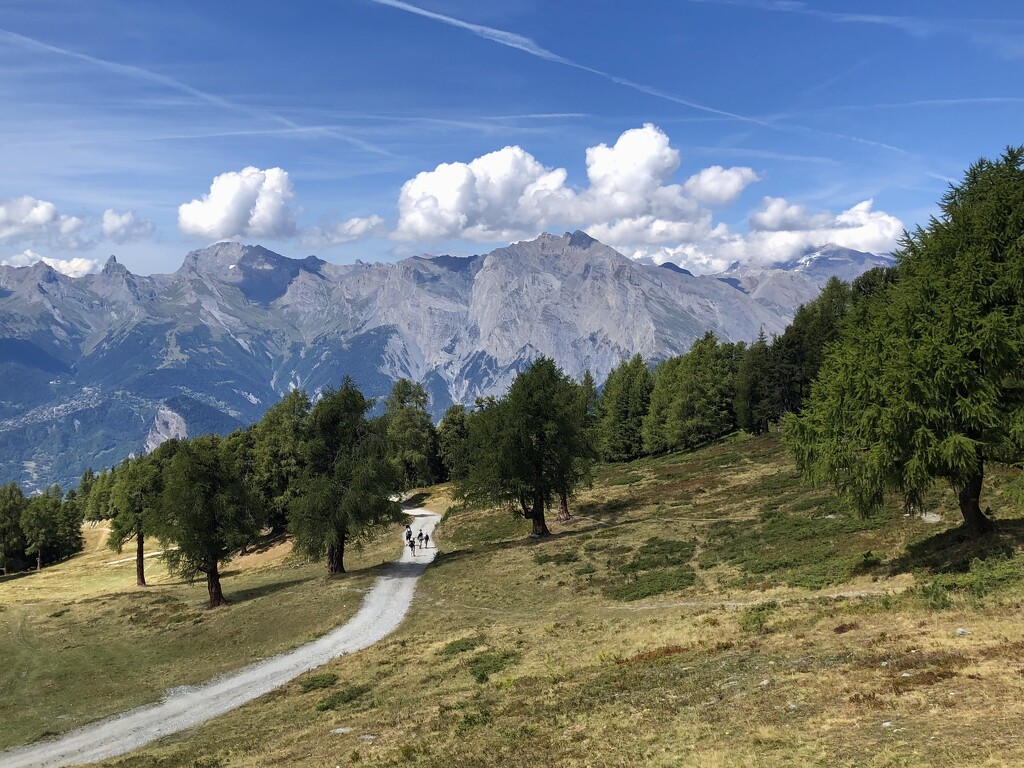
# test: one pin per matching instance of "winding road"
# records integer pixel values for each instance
(382, 611)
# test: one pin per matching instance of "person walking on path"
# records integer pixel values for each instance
(408, 533)
(412, 546)
(426, 540)
(419, 538)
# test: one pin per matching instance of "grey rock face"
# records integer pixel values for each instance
(95, 368)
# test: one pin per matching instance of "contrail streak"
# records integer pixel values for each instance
(146, 75)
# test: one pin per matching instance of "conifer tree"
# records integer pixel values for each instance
(692, 400)
(927, 381)
(453, 442)
(531, 446)
(622, 407)
(12, 539)
(204, 511)
(277, 457)
(69, 526)
(410, 432)
(134, 501)
(97, 505)
(348, 483)
(751, 403)
(40, 523)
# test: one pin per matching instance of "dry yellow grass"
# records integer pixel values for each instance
(515, 654)
(80, 641)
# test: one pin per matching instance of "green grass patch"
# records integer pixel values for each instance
(317, 682)
(652, 583)
(755, 619)
(488, 663)
(462, 645)
(783, 547)
(558, 558)
(346, 695)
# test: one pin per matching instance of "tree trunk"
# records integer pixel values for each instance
(213, 587)
(140, 562)
(540, 527)
(335, 558)
(975, 521)
(563, 508)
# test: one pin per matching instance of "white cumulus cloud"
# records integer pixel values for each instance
(339, 232)
(509, 193)
(780, 231)
(719, 186)
(124, 227)
(500, 195)
(632, 202)
(75, 267)
(246, 203)
(39, 221)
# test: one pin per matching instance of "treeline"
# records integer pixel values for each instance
(38, 530)
(326, 472)
(718, 387)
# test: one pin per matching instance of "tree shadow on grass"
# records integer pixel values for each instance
(444, 559)
(416, 499)
(241, 595)
(264, 542)
(609, 509)
(953, 550)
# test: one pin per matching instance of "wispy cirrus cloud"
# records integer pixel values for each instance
(526, 45)
(529, 46)
(165, 81)
(1004, 37)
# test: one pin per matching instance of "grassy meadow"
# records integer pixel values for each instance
(79, 641)
(705, 608)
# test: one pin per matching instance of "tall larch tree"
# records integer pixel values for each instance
(349, 482)
(205, 513)
(927, 381)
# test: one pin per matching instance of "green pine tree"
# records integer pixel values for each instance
(927, 381)
(348, 482)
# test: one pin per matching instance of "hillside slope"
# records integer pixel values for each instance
(703, 608)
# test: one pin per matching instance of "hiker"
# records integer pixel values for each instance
(408, 533)
(412, 546)
(426, 540)
(419, 538)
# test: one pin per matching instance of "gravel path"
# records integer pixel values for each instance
(381, 613)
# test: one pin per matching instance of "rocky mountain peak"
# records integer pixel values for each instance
(215, 260)
(211, 346)
(42, 272)
(113, 267)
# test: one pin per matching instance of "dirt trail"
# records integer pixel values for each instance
(382, 611)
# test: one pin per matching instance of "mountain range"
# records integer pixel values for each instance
(95, 368)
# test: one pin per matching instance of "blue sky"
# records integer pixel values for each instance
(701, 132)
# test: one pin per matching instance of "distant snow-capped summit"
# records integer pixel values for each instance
(784, 287)
(832, 260)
